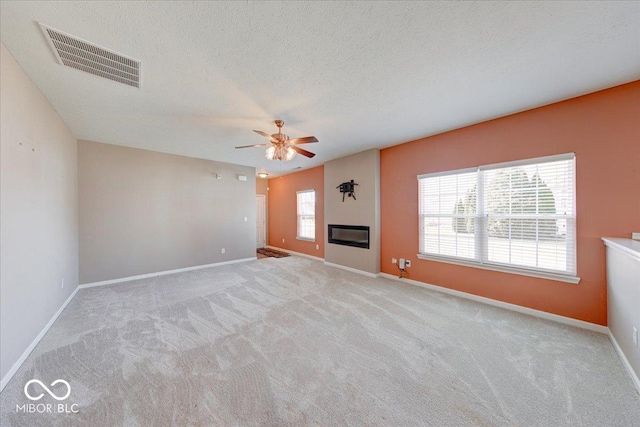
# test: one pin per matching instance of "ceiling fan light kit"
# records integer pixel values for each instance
(271, 152)
(282, 147)
(284, 153)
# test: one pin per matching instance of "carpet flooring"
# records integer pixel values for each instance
(292, 342)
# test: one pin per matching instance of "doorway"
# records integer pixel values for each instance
(261, 221)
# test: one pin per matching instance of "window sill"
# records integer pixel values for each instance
(306, 239)
(502, 268)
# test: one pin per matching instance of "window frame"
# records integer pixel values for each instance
(298, 215)
(481, 240)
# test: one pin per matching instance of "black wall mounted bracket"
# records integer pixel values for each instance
(348, 188)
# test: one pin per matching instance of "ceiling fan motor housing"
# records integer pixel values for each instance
(281, 137)
(282, 147)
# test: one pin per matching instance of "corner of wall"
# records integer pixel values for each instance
(39, 210)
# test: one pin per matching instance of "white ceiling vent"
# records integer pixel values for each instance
(93, 59)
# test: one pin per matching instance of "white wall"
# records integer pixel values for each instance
(262, 187)
(623, 302)
(38, 212)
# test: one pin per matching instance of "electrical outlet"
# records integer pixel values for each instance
(635, 336)
(317, 246)
(246, 219)
(401, 265)
(407, 263)
(62, 286)
(282, 240)
(394, 261)
(223, 250)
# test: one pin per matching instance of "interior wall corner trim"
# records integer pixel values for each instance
(163, 273)
(513, 307)
(5, 380)
(353, 270)
(625, 361)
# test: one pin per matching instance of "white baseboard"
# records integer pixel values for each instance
(537, 313)
(329, 264)
(353, 270)
(34, 343)
(513, 307)
(295, 253)
(163, 273)
(625, 362)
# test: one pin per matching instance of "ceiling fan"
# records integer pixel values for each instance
(281, 147)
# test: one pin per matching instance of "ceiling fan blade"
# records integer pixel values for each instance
(266, 135)
(255, 145)
(303, 140)
(305, 153)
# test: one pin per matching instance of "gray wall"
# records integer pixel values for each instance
(623, 302)
(38, 212)
(364, 169)
(144, 212)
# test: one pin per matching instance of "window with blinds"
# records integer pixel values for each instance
(306, 208)
(517, 217)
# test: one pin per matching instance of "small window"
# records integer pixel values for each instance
(306, 207)
(516, 217)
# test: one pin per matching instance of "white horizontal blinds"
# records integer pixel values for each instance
(448, 214)
(519, 214)
(530, 215)
(306, 208)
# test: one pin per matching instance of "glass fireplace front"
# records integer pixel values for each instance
(349, 235)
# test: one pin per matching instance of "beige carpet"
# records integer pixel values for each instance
(291, 342)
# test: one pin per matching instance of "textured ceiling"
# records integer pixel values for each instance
(357, 75)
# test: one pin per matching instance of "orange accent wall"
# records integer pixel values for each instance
(282, 210)
(602, 128)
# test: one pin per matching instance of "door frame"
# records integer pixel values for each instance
(262, 238)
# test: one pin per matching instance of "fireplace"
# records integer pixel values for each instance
(349, 235)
